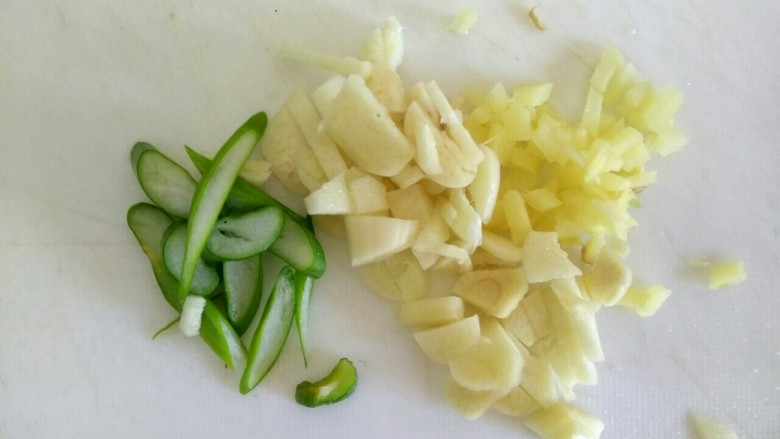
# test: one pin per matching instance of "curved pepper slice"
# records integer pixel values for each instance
(338, 385)
(213, 190)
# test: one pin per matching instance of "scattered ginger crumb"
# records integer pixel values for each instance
(728, 273)
(463, 21)
(708, 428)
(723, 273)
(535, 19)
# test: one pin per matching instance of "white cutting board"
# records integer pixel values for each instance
(82, 80)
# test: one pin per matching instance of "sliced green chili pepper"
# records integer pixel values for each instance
(135, 153)
(213, 190)
(243, 290)
(244, 195)
(218, 333)
(148, 223)
(304, 284)
(166, 183)
(206, 279)
(272, 331)
(239, 237)
(339, 384)
(197, 249)
(298, 246)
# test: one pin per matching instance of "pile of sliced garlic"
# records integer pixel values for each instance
(528, 214)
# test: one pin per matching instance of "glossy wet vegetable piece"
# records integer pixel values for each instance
(244, 195)
(166, 183)
(206, 278)
(213, 190)
(272, 332)
(339, 384)
(298, 246)
(218, 333)
(207, 239)
(242, 236)
(243, 290)
(304, 285)
(148, 223)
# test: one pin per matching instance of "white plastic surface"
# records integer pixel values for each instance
(82, 80)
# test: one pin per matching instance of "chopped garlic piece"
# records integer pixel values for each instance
(346, 65)
(308, 120)
(372, 238)
(256, 171)
(608, 279)
(398, 277)
(431, 312)
(293, 161)
(501, 247)
(544, 260)
(365, 132)
(385, 46)
(494, 292)
(471, 404)
(191, 313)
(332, 198)
(487, 365)
(444, 342)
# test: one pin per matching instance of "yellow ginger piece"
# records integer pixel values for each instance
(728, 273)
